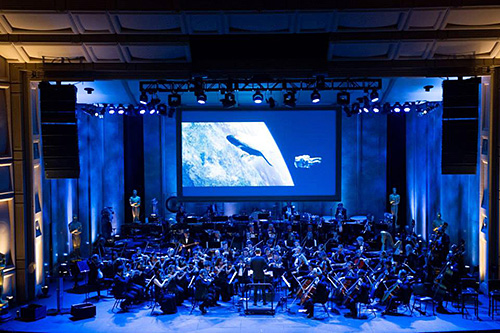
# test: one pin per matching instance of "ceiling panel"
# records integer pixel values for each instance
(365, 51)
(204, 23)
(105, 53)
(149, 23)
(425, 19)
(373, 20)
(466, 49)
(165, 53)
(9, 52)
(18, 23)
(414, 50)
(473, 19)
(260, 23)
(91, 23)
(315, 22)
(36, 52)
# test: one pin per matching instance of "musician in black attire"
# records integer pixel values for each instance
(186, 243)
(360, 293)
(258, 264)
(204, 291)
(399, 292)
(341, 212)
(123, 288)
(320, 293)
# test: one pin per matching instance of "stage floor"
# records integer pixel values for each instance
(226, 318)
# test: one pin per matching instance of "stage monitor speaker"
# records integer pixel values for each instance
(460, 126)
(59, 130)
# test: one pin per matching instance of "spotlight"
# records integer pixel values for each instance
(201, 98)
(272, 102)
(142, 109)
(289, 99)
(111, 109)
(397, 107)
(315, 96)
(376, 108)
(406, 107)
(343, 98)
(162, 109)
(143, 98)
(96, 113)
(229, 101)
(174, 100)
(374, 96)
(120, 109)
(257, 97)
(152, 108)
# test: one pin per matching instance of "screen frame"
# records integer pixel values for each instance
(338, 157)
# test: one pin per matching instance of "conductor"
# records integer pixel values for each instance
(258, 264)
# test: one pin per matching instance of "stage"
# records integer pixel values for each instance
(226, 318)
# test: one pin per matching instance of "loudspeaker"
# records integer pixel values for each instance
(59, 130)
(83, 310)
(33, 312)
(460, 126)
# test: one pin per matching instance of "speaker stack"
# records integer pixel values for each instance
(59, 130)
(460, 126)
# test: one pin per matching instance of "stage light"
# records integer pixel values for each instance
(201, 98)
(142, 109)
(111, 109)
(229, 100)
(397, 107)
(257, 97)
(347, 110)
(376, 108)
(119, 110)
(143, 98)
(96, 113)
(152, 108)
(374, 96)
(289, 99)
(315, 96)
(174, 100)
(386, 108)
(162, 109)
(343, 98)
(406, 107)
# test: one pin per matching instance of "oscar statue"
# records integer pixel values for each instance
(394, 200)
(135, 204)
(75, 228)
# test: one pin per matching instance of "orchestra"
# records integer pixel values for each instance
(310, 258)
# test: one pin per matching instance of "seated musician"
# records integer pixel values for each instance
(289, 236)
(95, 277)
(216, 238)
(252, 235)
(361, 245)
(204, 291)
(124, 288)
(310, 241)
(398, 293)
(339, 256)
(316, 293)
(359, 292)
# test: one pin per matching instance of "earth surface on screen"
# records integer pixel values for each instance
(232, 154)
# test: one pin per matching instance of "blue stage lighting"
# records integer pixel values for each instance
(315, 96)
(374, 96)
(111, 109)
(406, 107)
(143, 98)
(257, 97)
(397, 107)
(376, 108)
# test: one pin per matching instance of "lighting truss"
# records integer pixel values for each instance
(216, 85)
